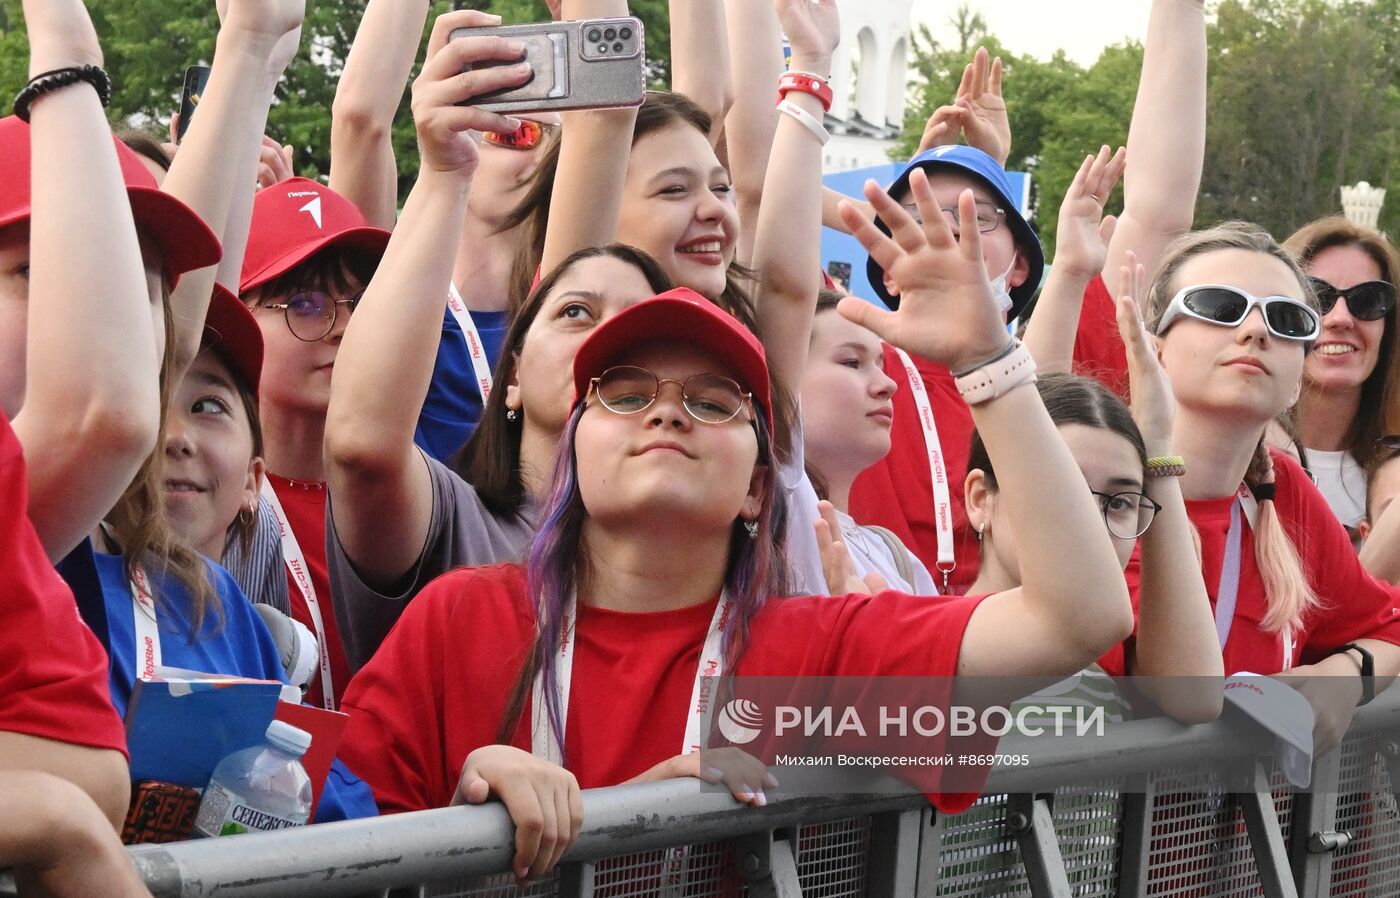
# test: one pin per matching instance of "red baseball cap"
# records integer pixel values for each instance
(295, 219)
(683, 316)
(186, 243)
(231, 330)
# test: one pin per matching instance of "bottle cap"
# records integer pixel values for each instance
(288, 738)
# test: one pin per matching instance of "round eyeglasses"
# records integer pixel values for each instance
(708, 398)
(311, 314)
(1127, 514)
(989, 216)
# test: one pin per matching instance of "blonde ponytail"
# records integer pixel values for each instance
(1286, 587)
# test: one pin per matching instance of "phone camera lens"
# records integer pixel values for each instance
(610, 33)
(595, 35)
(625, 33)
(617, 47)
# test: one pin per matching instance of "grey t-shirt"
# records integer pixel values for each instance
(462, 532)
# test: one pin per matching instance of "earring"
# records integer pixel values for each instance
(245, 517)
(752, 527)
(979, 531)
(512, 414)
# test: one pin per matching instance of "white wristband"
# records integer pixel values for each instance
(807, 120)
(997, 378)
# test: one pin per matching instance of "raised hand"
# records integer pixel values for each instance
(543, 800)
(941, 129)
(839, 570)
(445, 142)
(1152, 402)
(813, 28)
(1081, 239)
(985, 123)
(947, 312)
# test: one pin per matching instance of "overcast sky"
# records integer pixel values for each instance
(1040, 27)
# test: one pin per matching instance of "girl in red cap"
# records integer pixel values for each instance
(659, 551)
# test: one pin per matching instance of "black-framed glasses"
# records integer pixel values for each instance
(708, 398)
(989, 216)
(1367, 301)
(1285, 317)
(311, 314)
(1128, 514)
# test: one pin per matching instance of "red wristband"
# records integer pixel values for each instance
(803, 82)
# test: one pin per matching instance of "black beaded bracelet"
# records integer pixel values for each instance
(51, 81)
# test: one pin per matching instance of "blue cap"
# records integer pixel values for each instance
(974, 162)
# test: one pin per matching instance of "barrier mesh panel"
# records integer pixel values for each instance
(1199, 844)
(832, 862)
(980, 859)
(833, 858)
(1366, 809)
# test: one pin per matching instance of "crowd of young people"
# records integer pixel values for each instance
(582, 418)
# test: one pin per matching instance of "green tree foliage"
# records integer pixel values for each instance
(1304, 96)
(147, 44)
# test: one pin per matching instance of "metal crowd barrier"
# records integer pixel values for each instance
(1128, 819)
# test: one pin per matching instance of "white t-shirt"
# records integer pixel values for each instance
(869, 551)
(1342, 483)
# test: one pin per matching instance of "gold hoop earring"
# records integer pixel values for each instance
(245, 517)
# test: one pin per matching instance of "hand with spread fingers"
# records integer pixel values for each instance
(985, 122)
(1081, 239)
(947, 312)
(448, 80)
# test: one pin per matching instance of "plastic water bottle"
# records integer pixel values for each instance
(259, 789)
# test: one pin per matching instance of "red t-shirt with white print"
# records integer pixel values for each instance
(1354, 604)
(439, 686)
(53, 679)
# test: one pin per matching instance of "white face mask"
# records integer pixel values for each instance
(1001, 291)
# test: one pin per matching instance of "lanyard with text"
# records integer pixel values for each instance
(301, 575)
(1226, 595)
(543, 743)
(143, 611)
(937, 470)
(481, 365)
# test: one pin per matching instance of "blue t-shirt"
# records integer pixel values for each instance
(242, 646)
(453, 405)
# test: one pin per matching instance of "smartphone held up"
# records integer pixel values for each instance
(582, 64)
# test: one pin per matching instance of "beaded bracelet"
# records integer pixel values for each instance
(48, 82)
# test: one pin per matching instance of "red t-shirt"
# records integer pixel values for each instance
(306, 513)
(438, 687)
(53, 680)
(897, 492)
(1355, 605)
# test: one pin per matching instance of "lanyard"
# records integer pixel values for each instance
(543, 743)
(481, 366)
(1244, 506)
(143, 611)
(301, 575)
(937, 470)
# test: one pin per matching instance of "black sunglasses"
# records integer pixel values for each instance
(1368, 301)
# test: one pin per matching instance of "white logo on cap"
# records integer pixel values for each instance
(314, 207)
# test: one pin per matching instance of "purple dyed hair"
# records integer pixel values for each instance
(757, 570)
